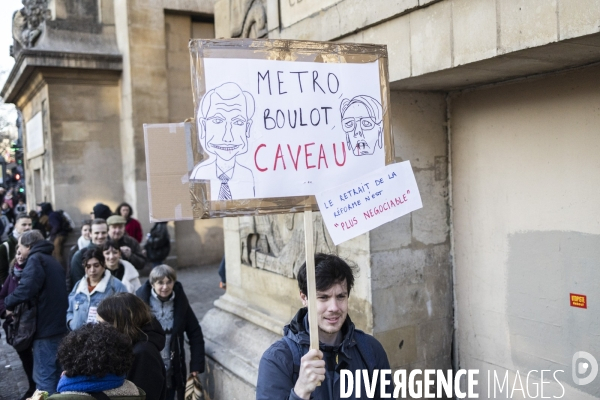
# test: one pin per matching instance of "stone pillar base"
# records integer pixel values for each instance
(234, 347)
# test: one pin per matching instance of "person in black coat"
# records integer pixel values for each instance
(42, 281)
(170, 306)
(131, 316)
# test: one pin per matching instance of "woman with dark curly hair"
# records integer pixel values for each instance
(131, 316)
(97, 284)
(96, 358)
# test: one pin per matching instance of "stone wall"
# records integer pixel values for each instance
(85, 144)
(525, 169)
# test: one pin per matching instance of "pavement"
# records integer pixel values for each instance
(201, 285)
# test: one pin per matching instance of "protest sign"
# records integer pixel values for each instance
(278, 121)
(369, 201)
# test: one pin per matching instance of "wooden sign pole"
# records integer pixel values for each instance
(310, 279)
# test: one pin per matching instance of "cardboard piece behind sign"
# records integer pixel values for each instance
(220, 73)
(166, 170)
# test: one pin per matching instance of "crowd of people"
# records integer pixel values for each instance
(96, 328)
(99, 332)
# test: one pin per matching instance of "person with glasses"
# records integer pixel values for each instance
(362, 121)
(97, 284)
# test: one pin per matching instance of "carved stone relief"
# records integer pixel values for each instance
(248, 19)
(275, 243)
(28, 22)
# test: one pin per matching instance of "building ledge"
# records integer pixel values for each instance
(30, 59)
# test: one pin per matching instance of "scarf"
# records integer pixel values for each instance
(17, 270)
(89, 384)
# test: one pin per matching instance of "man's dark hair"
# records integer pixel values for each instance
(21, 216)
(29, 238)
(93, 252)
(98, 221)
(95, 350)
(329, 270)
(123, 204)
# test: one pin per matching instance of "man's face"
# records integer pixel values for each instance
(225, 130)
(332, 309)
(116, 231)
(23, 225)
(362, 133)
(99, 233)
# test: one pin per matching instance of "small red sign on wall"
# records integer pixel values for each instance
(578, 300)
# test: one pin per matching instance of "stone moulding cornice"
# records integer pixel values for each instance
(30, 59)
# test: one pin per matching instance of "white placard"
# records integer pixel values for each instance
(369, 201)
(93, 312)
(282, 128)
(34, 130)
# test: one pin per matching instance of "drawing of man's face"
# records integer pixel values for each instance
(363, 131)
(225, 125)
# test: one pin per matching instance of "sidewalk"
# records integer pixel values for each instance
(201, 285)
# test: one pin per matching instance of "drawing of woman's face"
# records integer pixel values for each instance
(226, 128)
(362, 132)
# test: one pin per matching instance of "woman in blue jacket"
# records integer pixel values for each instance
(97, 284)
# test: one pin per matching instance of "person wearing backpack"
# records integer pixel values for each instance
(42, 282)
(289, 370)
(158, 244)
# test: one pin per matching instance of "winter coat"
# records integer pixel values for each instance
(43, 277)
(7, 255)
(82, 243)
(158, 244)
(128, 391)
(137, 257)
(134, 229)
(184, 321)
(276, 378)
(131, 278)
(80, 299)
(148, 370)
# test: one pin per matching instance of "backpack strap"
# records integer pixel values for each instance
(365, 350)
(296, 350)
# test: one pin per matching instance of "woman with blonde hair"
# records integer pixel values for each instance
(131, 316)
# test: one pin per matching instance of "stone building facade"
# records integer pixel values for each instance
(88, 75)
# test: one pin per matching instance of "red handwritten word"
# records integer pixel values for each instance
(351, 223)
(311, 158)
(385, 206)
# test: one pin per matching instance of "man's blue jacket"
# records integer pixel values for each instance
(277, 372)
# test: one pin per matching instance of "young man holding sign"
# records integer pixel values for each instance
(289, 370)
